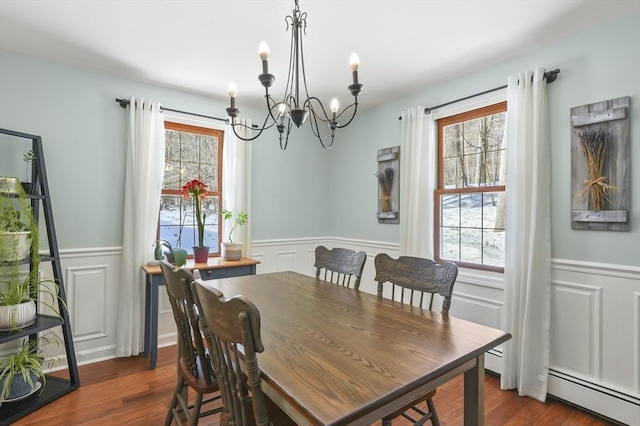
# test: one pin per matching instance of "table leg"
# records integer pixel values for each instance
(474, 394)
(147, 316)
(153, 322)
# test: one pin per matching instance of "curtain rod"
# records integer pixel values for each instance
(551, 76)
(124, 102)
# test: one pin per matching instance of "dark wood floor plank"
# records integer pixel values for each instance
(125, 391)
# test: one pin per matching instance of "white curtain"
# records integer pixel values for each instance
(417, 183)
(236, 182)
(527, 274)
(144, 163)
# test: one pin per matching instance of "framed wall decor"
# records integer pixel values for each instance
(388, 176)
(601, 166)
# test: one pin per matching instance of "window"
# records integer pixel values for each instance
(191, 152)
(470, 197)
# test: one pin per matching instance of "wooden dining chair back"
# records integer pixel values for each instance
(195, 370)
(234, 338)
(341, 266)
(412, 278)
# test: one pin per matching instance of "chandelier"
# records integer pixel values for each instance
(296, 106)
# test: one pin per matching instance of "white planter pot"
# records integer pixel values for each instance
(9, 185)
(232, 251)
(14, 246)
(14, 317)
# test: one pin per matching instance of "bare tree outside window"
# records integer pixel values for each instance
(469, 200)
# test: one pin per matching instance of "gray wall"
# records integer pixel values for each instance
(596, 65)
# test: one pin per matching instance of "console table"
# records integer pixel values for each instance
(215, 268)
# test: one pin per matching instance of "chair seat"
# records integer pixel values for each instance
(199, 383)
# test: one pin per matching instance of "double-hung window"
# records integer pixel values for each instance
(470, 196)
(191, 152)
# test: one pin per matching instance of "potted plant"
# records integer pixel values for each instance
(198, 191)
(231, 250)
(17, 298)
(21, 373)
(15, 234)
(9, 184)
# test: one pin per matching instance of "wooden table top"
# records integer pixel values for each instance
(212, 263)
(336, 354)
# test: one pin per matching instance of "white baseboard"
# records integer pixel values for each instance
(619, 406)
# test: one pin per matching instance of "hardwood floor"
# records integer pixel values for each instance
(125, 391)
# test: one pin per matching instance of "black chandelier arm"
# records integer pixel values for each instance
(286, 141)
(308, 104)
(273, 105)
(315, 129)
(355, 111)
(262, 129)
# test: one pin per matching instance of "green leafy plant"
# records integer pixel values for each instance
(17, 287)
(27, 362)
(11, 219)
(240, 219)
(18, 290)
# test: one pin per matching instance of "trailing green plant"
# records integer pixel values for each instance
(27, 361)
(11, 220)
(16, 215)
(240, 219)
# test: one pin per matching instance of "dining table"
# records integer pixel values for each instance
(339, 356)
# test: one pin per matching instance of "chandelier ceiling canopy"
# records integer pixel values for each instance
(296, 105)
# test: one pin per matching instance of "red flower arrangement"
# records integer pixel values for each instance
(198, 190)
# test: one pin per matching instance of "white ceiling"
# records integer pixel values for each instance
(201, 46)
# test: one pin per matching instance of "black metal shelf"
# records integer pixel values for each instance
(43, 323)
(52, 389)
(37, 191)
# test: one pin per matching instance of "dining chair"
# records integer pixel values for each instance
(232, 329)
(340, 265)
(195, 370)
(413, 278)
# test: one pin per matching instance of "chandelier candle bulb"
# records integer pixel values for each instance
(334, 107)
(354, 63)
(233, 91)
(264, 55)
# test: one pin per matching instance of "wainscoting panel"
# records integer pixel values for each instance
(86, 291)
(476, 309)
(91, 278)
(594, 337)
(575, 336)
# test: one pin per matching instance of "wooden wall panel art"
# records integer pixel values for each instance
(388, 176)
(600, 166)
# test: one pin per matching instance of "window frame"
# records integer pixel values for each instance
(172, 124)
(441, 123)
